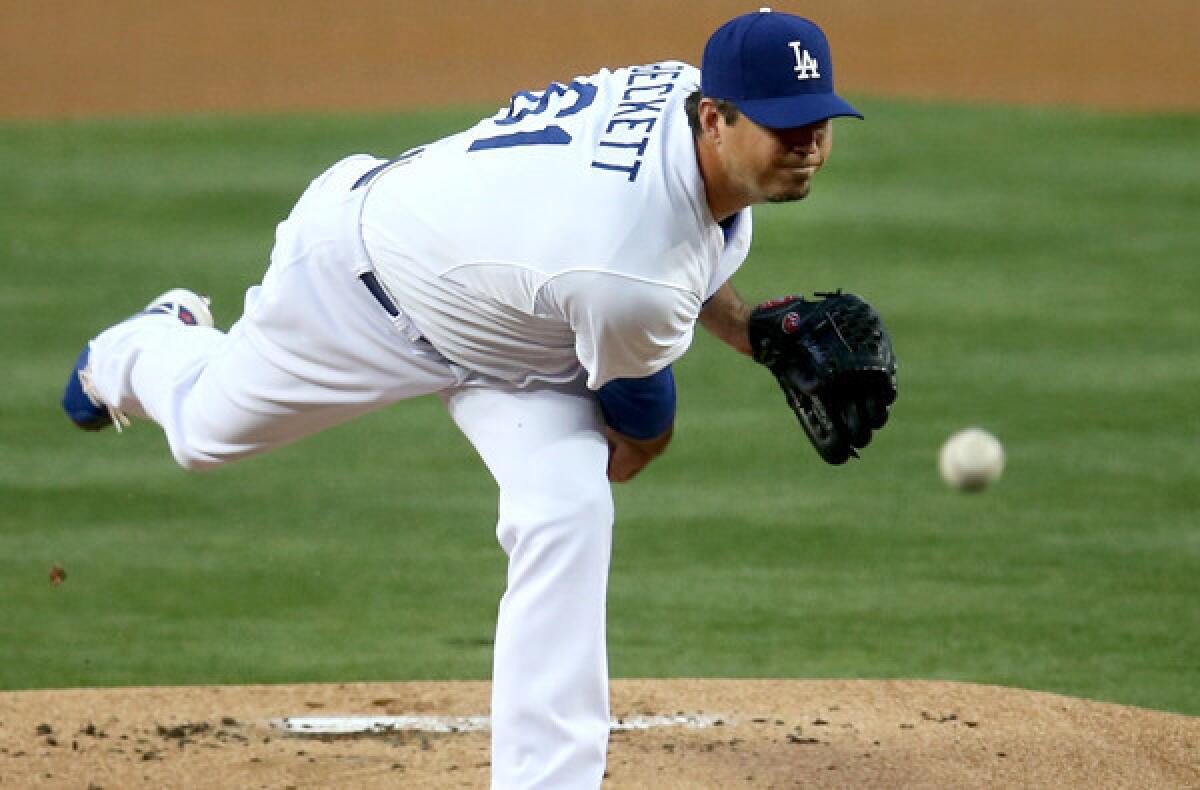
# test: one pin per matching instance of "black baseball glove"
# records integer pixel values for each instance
(834, 361)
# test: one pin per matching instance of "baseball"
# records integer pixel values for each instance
(971, 459)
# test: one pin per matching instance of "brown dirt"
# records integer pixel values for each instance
(777, 733)
(80, 57)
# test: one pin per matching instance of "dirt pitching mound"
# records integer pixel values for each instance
(756, 733)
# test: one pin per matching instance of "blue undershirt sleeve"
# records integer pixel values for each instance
(639, 408)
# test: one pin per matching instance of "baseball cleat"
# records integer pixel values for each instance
(80, 400)
(189, 307)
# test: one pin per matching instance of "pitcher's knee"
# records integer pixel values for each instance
(192, 461)
(582, 508)
(575, 518)
(197, 452)
(592, 503)
(201, 440)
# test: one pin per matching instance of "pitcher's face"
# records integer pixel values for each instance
(774, 165)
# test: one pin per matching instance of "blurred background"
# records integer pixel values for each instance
(79, 57)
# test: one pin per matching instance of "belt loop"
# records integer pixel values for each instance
(399, 318)
(376, 288)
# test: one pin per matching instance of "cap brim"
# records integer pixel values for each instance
(792, 111)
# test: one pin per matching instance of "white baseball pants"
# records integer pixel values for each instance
(313, 349)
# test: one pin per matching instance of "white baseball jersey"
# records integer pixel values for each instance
(571, 229)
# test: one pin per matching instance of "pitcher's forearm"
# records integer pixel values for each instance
(725, 315)
(628, 456)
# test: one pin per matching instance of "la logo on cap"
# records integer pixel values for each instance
(806, 64)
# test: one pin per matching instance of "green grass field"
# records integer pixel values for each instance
(1038, 270)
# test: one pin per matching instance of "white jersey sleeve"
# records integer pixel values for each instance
(624, 328)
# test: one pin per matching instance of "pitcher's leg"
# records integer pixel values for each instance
(283, 371)
(313, 348)
(546, 449)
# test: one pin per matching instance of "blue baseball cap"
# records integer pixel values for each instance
(775, 67)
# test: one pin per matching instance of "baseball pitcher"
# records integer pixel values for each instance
(540, 272)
